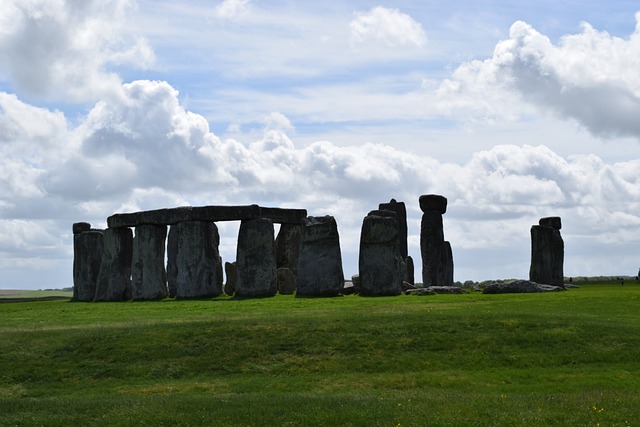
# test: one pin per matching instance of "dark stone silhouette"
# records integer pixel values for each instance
(288, 247)
(547, 252)
(87, 258)
(193, 260)
(231, 272)
(410, 270)
(380, 261)
(320, 260)
(437, 258)
(286, 281)
(256, 259)
(114, 279)
(401, 216)
(148, 275)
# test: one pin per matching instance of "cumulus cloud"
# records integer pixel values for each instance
(587, 77)
(390, 27)
(232, 9)
(63, 49)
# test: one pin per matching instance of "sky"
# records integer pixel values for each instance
(511, 110)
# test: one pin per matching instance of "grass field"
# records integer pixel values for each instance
(569, 358)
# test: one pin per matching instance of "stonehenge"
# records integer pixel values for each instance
(152, 255)
(547, 252)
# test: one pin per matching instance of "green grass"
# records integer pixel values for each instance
(569, 358)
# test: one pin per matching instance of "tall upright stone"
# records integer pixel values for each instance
(401, 215)
(547, 252)
(288, 247)
(437, 260)
(87, 257)
(193, 260)
(380, 262)
(114, 279)
(148, 275)
(256, 259)
(320, 260)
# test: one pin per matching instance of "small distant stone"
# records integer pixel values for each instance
(447, 290)
(519, 287)
(420, 291)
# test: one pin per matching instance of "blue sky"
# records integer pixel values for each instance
(512, 110)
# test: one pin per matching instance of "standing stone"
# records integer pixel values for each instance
(288, 247)
(256, 259)
(114, 279)
(410, 270)
(380, 262)
(87, 257)
(547, 252)
(193, 260)
(437, 258)
(401, 215)
(148, 276)
(320, 260)
(231, 272)
(286, 281)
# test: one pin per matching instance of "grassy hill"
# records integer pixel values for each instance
(568, 358)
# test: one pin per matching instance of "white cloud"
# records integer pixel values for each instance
(63, 49)
(588, 77)
(389, 27)
(232, 9)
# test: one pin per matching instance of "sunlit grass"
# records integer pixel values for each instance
(526, 359)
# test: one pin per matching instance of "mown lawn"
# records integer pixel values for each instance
(570, 358)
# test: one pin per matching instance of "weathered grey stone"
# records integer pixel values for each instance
(407, 286)
(432, 248)
(355, 279)
(433, 202)
(518, 286)
(348, 289)
(288, 247)
(256, 259)
(320, 261)
(380, 262)
(148, 275)
(231, 272)
(410, 270)
(447, 262)
(547, 255)
(554, 222)
(114, 279)
(193, 260)
(401, 215)
(286, 281)
(283, 216)
(87, 257)
(173, 216)
(447, 290)
(81, 227)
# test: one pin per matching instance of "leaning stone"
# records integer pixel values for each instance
(407, 286)
(194, 259)
(81, 227)
(114, 279)
(148, 276)
(554, 222)
(401, 215)
(320, 260)
(231, 272)
(433, 202)
(286, 281)
(256, 259)
(518, 286)
(87, 257)
(380, 262)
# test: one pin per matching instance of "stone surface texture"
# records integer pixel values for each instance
(87, 258)
(148, 275)
(320, 261)
(114, 279)
(256, 259)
